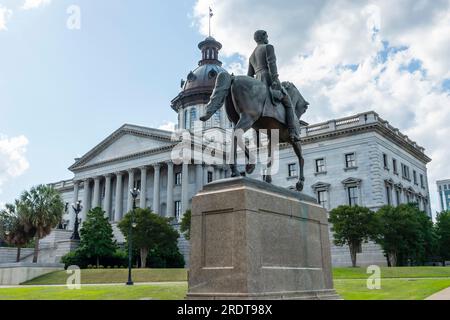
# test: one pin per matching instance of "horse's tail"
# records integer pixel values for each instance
(221, 90)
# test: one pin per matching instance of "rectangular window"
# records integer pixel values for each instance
(397, 196)
(388, 195)
(178, 178)
(405, 172)
(353, 196)
(385, 161)
(292, 170)
(422, 182)
(320, 165)
(394, 166)
(415, 177)
(186, 119)
(322, 198)
(210, 176)
(350, 160)
(177, 212)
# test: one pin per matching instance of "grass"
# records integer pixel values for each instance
(387, 273)
(391, 289)
(107, 276)
(415, 283)
(173, 291)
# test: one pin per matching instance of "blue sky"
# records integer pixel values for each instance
(62, 91)
(66, 90)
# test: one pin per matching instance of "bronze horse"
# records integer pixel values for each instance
(249, 104)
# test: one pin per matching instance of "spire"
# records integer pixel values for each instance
(210, 51)
(211, 14)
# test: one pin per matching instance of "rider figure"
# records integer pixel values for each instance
(263, 66)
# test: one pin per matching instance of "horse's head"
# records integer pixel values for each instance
(299, 103)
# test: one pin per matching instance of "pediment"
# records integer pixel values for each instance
(127, 141)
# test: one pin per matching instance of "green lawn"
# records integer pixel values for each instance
(173, 291)
(391, 289)
(97, 276)
(397, 284)
(405, 272)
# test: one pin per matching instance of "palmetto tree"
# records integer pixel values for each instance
(13, 229)
(42, 209)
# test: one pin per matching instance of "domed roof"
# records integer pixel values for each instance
(202, 78)
(199, 83)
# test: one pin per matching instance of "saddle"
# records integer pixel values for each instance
(273, 107)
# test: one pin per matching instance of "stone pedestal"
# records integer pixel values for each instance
(252, 240)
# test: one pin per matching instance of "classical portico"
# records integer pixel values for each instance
(167, 188)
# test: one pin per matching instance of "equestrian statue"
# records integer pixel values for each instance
(261, 102)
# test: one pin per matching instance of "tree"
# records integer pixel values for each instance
(42, 209)
(352, 226)
(97, 238)
(185, 225)
(405, 233)
(443, 235)
(152, 234)
(12, 228)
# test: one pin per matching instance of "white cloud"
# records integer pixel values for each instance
(13, 162)
(5, 15)
(33, 4)
(168, 126)
(353, 56)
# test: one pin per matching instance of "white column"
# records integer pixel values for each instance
(182, 118)
(108, 195)
(205, 175)
(143, 201)
(119, 192)
(96, 200)
(199, 177)
(184, 189)
(170, 182)
(130, 187)
(76, 190)
(216, 174)
(156, 190)
(86, 203)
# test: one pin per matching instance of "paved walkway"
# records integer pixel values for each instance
(441, 295)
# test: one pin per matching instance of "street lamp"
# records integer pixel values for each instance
(77, 207)
(134, 193)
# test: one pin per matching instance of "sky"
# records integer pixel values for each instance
(63, 88)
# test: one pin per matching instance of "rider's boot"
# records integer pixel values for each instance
(291, 119)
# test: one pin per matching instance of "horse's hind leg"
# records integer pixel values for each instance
(298, 151)
(267, 177)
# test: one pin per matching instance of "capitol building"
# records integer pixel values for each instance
(357, 160)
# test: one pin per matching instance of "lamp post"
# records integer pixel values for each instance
(77, 207)
(134, 193)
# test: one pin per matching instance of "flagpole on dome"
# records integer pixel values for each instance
(211, 14)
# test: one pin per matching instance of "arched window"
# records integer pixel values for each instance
(186, 119)
(193, 118)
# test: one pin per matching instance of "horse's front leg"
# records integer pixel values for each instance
(298, 151)
(233, 165)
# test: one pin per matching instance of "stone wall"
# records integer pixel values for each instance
(12, 274)
(8, 255)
